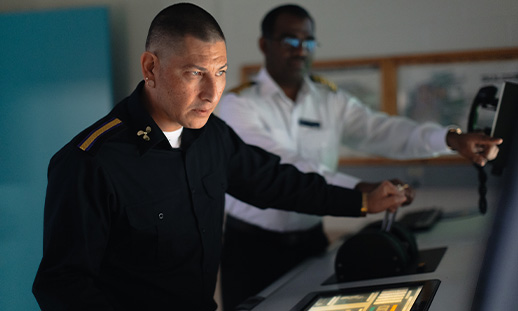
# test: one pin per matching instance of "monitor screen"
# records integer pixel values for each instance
(413, 296)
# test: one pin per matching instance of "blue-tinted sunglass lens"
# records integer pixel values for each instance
(293, 42)
(309, 45)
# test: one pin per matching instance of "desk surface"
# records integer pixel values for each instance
(465, 238)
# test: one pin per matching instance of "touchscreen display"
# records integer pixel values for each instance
(390, 299)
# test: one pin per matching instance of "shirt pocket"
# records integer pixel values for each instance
(215, 185)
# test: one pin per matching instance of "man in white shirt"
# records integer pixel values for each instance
(304, 120)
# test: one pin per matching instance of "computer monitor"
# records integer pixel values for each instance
(505, 124)
(409, 296)
(497, 286)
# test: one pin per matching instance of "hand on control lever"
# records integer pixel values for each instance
(385, 197)
(369, 187)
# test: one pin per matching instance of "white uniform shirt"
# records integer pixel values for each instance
(308, 134)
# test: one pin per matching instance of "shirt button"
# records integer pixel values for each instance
(160, 215)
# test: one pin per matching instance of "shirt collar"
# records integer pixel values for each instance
(174, 137)
(269, 88)
(138, 120)
(142, 128)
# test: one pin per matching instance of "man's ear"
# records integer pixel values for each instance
(262, 44)
(148, 62)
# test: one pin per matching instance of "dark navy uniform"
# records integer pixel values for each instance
(133, 224)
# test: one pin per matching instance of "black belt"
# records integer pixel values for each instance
(287, 238)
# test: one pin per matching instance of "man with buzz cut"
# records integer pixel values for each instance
(134, 207)
(304, 120)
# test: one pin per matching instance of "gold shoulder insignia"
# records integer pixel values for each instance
(240, 88)
(324, 81)
(90, 139)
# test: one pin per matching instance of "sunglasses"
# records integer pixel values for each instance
(308, 44)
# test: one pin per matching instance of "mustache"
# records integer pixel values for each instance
(202, 107)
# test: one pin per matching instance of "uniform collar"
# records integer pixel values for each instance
(269, 88)
(142, 128)
(145, 132)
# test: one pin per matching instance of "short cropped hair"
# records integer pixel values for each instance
(180, 20)
(270, 18)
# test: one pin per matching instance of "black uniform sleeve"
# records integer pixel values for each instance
(76, 227)
(257, 178)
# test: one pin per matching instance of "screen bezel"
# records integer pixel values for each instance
(422, 302)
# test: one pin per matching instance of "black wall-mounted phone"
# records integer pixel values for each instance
(504, 126)
(504, 122)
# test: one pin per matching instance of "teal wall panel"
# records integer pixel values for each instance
(56, 80)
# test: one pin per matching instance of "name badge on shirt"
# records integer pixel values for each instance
(308, 123)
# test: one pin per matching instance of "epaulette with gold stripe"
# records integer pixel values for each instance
(324, 81)
(240, 88)
(97, 133)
